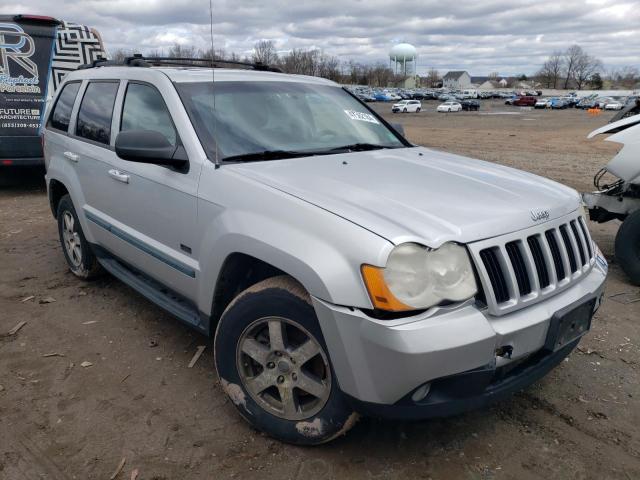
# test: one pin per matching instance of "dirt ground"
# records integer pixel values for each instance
(138, 400)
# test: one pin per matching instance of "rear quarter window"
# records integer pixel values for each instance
(96, 109)
(61, 115)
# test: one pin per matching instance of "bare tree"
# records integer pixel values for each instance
(569, 59)
(119, 54)
(264, 51)
(625, 77)
(551, 71)
(584, 68)
(433, 78)
(214, 54)
(184, 51)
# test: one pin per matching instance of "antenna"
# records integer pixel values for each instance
(216, 159)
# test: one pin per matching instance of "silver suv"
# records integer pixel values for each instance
(340, 269)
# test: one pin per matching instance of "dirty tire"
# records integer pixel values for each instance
(285, 298)
(628, 247)
(84, 265)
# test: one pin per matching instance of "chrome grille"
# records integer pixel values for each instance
(527, 266)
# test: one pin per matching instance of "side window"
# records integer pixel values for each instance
(61, 115)
(144, 109)
(94, 116)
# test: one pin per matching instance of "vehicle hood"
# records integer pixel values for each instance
(625, 164)
(416, 194)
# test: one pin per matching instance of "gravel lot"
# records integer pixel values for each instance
(138, 400)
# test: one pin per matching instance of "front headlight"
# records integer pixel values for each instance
(416, 277)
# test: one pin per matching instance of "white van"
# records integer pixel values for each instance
(471, 93)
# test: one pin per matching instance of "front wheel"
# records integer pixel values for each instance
(273, 364)
(628, 247)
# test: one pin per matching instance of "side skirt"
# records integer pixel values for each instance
(174, 303)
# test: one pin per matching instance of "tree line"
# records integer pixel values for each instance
(568, 69)
(575, 68)
(312, 62)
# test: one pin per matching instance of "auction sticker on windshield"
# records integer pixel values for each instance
(361, 116)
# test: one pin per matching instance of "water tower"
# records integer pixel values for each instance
(403, 58)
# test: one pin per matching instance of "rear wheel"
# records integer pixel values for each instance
(81, 260)
(405, 110)
(273, 364)
(628, 247)
(418, 110)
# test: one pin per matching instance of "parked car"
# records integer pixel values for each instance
(557, 103)
(525, 101)
(449, 107)
(587, 103)
(381, 97)
(338, 268)
(600, 102)
(470, 105)
(405, 106)
(614, 105)
(35, 54)
(542, 103)
(366, 97)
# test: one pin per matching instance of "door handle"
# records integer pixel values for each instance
(119, 176)
(71, 156)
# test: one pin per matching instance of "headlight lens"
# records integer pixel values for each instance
(416, 277)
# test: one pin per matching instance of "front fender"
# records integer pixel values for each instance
(322, 251)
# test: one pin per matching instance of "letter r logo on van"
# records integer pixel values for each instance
(17, 46)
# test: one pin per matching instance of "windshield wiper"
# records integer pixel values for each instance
(361, 147)
(265, 155)
(281, 154)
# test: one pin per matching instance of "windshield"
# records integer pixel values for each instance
(253, 118)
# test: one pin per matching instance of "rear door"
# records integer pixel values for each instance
(25, 56)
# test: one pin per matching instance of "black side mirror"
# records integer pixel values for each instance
(398, 128)
(148, 146)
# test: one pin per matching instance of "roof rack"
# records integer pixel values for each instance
(138, 60)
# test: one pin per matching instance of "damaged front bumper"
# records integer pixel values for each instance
(451, 361)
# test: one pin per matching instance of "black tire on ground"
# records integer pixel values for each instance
(628, 247)
(82, 263)
(418, 110)
(281, 298)
(405, 110)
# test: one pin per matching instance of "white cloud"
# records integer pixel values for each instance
(508, 36)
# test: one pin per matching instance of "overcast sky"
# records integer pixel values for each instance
(481, 36)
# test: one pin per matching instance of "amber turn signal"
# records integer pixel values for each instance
(381, 296)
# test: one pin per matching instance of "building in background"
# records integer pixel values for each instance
(456, 80)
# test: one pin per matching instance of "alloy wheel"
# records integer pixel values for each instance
(71, 239)
(284, 368)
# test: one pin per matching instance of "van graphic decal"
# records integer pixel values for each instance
(75, 45)
(18, 72)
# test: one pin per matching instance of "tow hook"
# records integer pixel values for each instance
(504, 352)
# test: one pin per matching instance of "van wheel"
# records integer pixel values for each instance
(628, 247)
(273, 364)
(81, 260)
